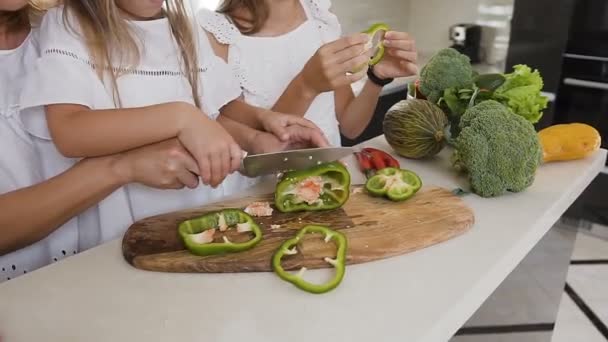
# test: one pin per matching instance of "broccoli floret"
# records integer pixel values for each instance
(446, 69)
(499, 150)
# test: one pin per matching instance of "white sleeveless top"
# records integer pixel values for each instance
(20, 164)
(266, 65)
(65, 74)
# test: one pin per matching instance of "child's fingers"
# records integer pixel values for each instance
(352, 78)
(216, 169)
(407, 45)
(187, 178)
(225, 165)
(294, 120)
(354, 64)
(350, 53)
(348, 41)
(236, 156)
(205, 169)
(395, 35)
(405, 55)
(278, 129)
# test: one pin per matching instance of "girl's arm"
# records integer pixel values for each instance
(80, 132)
(355, 113)
(166, 165)
(325, 71)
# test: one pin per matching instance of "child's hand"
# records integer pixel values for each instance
(216, 152)
(329, 67)
(278, 123)
(164, 165)
(400, 56)
(300, 137)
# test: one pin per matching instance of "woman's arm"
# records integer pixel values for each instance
(80, 132)
(54, 202)
(165, 165)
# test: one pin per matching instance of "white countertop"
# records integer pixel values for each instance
(422, 296)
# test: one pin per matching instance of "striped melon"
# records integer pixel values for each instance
(415, 128)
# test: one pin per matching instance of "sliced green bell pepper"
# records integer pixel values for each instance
(376, 42)
(322, 187)
(396, 184)
(197, 233)
(289, 248)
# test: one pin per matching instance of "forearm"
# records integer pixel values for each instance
(80, 132)
(296, 99)
(30, 214)
(355, 113)
(242, 134)
(244, 113)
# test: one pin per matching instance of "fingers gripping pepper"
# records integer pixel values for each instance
(323, 187)
(289, 247)
(197, 233)
(396, 184)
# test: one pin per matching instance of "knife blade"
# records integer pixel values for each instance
(271, 163)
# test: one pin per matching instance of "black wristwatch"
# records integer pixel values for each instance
(375, 79)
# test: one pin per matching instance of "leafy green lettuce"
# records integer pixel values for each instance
(521, 93)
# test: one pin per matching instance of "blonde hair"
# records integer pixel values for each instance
(109, 38)
(252, 19)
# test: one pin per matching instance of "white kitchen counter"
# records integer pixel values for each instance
(422, 296)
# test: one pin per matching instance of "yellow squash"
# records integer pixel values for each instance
(569, 141)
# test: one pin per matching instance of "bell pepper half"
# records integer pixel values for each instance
(376, 43)
(289, 247)
(322, 187)
(393, 183)
(198, 233)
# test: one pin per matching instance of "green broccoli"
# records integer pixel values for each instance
(499, 150)
(446, 69)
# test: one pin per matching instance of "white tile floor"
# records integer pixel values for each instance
(590, 282)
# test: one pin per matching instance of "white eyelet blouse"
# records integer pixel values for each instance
(20, 164)
(65, 74)
(265, 66)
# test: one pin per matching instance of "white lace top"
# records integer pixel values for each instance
(65, 74)
(266, 65)
(20, 164)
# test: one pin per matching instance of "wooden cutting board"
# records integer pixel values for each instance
(375, 229)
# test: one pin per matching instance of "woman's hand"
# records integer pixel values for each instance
(299, 137)
(279, 123)
(214, 149)
(330, 66)
(400, 56)
(164, 165)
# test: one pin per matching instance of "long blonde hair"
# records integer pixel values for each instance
(109, 38)
(254, 16)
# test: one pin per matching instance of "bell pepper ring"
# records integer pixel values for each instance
(289, 248)
(376, 37)
(393, 183)
(197, 234)
(323, 187)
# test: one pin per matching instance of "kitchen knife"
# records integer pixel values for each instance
(271, 163)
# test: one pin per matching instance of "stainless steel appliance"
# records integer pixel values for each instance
(583, 91)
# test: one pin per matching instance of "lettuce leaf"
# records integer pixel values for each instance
(521, 92)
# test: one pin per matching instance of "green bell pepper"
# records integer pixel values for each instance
(289, 248)
(197, 233)
(377, 42)
(396, 184)
(322, 187)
